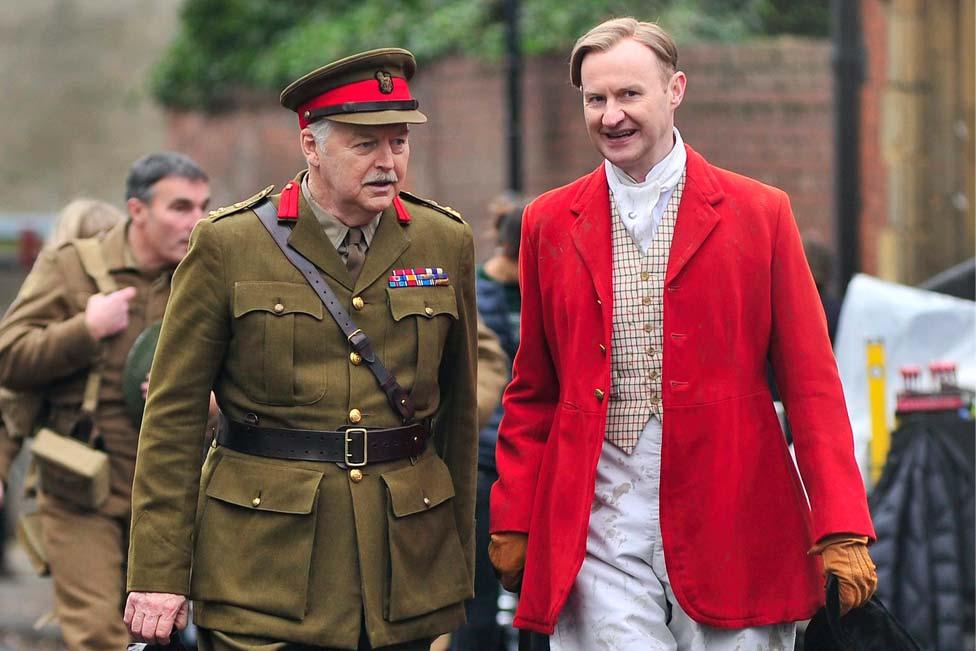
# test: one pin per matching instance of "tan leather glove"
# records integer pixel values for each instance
(847, 557)
(507, 554)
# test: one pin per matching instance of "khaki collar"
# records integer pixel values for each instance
(334, 229)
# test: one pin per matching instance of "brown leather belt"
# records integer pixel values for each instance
(353, 446)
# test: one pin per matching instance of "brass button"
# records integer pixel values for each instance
(355, 415)
(655, 401)
(426, 501)
(651, 351)
(358, 303)
(648, 327)
(429, 311)
(599, 394)
(646, 300)
(355, 475)
(653, 375)
(256, 502)
(279, 308)
(355, 358)
(645, 275)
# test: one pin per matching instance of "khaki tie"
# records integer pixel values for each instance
(355, 252)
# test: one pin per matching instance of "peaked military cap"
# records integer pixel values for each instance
(365, 88)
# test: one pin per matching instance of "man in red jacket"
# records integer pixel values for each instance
(646, 497)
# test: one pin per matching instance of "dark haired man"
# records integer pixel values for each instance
(60, 331)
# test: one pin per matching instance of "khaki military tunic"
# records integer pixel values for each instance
(45, 347)
(298, 550)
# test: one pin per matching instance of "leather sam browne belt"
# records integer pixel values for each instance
(353, 446)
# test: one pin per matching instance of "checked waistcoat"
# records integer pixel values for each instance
(638, 318)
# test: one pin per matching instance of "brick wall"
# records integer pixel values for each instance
(762, 109)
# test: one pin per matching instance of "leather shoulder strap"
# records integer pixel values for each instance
(399, 399)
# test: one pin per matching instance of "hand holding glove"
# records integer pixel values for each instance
(846, 557)
(507, 554)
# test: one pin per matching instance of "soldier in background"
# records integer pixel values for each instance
(336, 508)
(59, 330)
(81, 218)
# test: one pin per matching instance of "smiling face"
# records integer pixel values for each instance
(629, 101)
(357, 171)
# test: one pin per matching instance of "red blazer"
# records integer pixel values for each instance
(735, 524)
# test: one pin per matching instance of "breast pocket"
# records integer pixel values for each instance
(277, 337)
(432, 311)
(254, 538)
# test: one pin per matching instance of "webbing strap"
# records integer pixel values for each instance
(93, 263)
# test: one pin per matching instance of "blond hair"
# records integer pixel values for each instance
(608, 33)
(83, 218)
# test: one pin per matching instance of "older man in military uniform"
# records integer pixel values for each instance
(61, 330)
(336, 323)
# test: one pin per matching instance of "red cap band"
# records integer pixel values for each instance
(359, 91)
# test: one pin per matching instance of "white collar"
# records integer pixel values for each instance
(664, 176)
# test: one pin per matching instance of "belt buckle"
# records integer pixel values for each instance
(348, 439)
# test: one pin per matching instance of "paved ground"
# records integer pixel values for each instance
(24, 598)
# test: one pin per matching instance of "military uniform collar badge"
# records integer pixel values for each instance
(401, 211)
(288, 203)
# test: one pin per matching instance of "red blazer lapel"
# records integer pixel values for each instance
(591, 233)
(697, 216)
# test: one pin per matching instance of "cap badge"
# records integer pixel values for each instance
(386, 81)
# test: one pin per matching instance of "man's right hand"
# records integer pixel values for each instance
(151, 616)
(507, 554)
(108, 314)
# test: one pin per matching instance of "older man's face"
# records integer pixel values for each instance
(361, 168)
(629, 104)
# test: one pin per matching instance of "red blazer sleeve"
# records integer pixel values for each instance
(530, 400)
(807, 378)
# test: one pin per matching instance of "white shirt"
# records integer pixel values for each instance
(641, 205)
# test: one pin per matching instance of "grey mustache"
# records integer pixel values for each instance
(381, 178)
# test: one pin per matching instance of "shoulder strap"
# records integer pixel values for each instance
(93, 262)
(399, 399)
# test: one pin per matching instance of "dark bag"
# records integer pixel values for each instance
(867, 628)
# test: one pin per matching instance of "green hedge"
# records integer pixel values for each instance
(227, 48)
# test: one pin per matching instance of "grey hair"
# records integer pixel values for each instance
(321, 131)
(152, 168)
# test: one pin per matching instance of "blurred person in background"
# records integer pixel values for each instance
(646, 497)
(821, 261)
(58, 332)
(499, 305)
(81, 218)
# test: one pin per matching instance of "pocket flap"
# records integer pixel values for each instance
(264, 487)
(427, 302)
(414, 489)
(277, 298)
